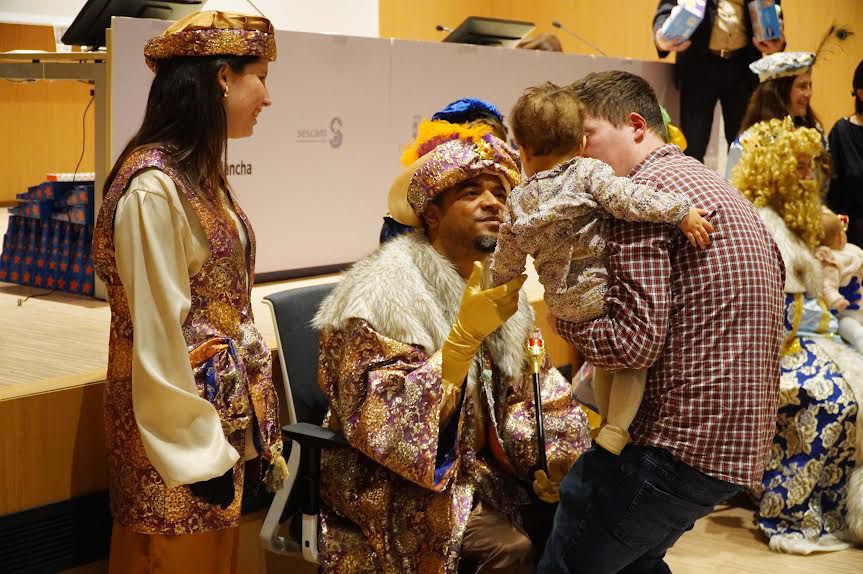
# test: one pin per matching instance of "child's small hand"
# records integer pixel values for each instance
(840, 304)
(696, 228)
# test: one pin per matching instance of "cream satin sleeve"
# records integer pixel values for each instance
(156, 252)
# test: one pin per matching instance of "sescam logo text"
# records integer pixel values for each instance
(332, 135)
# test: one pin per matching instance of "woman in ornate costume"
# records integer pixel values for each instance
(785, 90)
(811, 495)
(191, 412)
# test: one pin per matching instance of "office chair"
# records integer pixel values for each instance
(304, 438)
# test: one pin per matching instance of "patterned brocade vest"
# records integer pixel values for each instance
(230, 360)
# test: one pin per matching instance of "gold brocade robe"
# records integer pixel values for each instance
(230, 360)
(399, 501)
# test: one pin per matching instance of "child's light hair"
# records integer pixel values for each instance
(833, 228)
(548, 119)
(767, 175)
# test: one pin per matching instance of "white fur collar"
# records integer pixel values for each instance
(409, 292)
(802, 270)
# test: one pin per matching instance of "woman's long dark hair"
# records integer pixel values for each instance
(857, 84)
(186, 116)
(772, 100)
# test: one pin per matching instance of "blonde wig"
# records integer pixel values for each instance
(767, 174)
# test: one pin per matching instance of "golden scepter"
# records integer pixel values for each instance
(536, 355)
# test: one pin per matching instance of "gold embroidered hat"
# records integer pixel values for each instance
(448, 155)
(213, 33)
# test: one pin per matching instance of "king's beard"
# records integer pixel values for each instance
(485, 243)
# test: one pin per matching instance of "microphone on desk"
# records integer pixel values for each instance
(557, 24)
(442, 28)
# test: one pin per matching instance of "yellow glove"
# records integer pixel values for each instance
(482, 311)
(547, 488)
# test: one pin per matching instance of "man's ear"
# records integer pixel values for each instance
(639, 126)
(432, 217)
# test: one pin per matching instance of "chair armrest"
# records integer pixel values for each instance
(314, 436)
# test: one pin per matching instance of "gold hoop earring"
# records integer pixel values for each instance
(226, 91)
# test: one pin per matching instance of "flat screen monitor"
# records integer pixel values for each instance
(88, 28)
(490, 32)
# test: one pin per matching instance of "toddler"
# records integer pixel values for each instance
(560, 216)
(840, 261)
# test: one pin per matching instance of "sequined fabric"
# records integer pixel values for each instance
(458, 160)
(213, 33)
(517, 424)
(400, 500)
(230, 360)
(561, 217)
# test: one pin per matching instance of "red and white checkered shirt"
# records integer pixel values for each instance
(707, 324)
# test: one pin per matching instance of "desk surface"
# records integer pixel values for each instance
(53, 57)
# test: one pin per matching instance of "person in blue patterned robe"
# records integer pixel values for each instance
(811, 495)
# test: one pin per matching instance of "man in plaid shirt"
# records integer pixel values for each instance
(707, 324)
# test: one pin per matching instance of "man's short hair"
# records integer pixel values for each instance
(613, 95)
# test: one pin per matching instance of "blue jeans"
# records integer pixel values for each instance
(621, 514)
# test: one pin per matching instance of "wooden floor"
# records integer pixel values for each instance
(724, 542)
(728, 541)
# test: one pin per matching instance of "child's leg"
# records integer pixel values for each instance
(852, 331)
(627, 389)
(602, 381)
